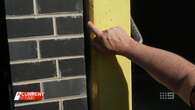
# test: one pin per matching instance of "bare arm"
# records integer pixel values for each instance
(169, 69)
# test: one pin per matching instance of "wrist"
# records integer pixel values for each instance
(131, 47)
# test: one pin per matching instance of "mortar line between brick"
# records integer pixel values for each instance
(58, 69)
(38, 50)
(45, 59)
(41, 87)
(61, 104)
(35, 9)
(53, 100)
(48, 80)
(42, 38)
(54, 26)
(74, 14)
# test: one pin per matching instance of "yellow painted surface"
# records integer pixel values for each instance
(110, 75)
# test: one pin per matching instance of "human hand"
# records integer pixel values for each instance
(114, 40)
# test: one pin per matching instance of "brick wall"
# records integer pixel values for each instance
(46, 44)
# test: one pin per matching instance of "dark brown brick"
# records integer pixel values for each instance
(53, 6)
(22, 50)
(43, 106)
(78, 104)
(72, 67)
(29, 27)
(65, 88)
(32, 71)
(69, 25)
(59, 48)
(19, 7)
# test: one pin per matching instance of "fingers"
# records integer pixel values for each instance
(98, 44)
(95, 29)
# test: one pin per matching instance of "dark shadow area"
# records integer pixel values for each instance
(6, 84)
(87, 51)
(169, 25)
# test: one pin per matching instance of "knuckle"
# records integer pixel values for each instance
(118, 27)
(105, 31)
(109, 31)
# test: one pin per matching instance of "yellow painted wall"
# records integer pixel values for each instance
(110, 75)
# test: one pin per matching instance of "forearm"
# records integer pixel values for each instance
(168, 68)
(173, 71)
